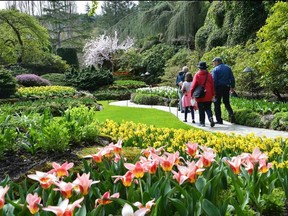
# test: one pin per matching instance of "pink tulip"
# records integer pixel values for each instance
(117, 148)
(192, 148)
(263, 166)
(168, 160)
(65, 209)
(127, 179)
(147, 206)
(106, 198)
(64, 188)
(3, 191)
(248, 166)
(234, 164)
(33, 203)
(138, 169)
(96, 157)
(61, 170)
(84, 183)
(179, 177)
(45, 179)
(207, 157)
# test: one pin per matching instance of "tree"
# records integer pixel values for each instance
(113, 11)
(96, 51)
(273, 48)
(19, 34)
(66, 27)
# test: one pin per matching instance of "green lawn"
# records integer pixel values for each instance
(146, 116)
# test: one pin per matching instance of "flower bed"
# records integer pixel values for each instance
(157, 182)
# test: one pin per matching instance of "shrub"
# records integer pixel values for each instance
(129, 83)
(69, 55)
(89, 78)
(280, 121)
(17, 69)
(55, 79)
(114, 94)
(247, 117)
(7, 84)
(147, 99)
(30, 80)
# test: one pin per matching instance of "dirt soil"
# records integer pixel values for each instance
(17, 164)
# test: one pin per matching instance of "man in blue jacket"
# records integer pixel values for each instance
(224, 82)
(179, 82)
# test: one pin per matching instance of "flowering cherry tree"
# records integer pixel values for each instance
(103, 48)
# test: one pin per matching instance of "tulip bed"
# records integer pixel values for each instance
(195, 181)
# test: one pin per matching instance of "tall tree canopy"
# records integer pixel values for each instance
(21, 36)
(113, 11)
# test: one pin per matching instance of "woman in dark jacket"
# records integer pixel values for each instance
(204, 103)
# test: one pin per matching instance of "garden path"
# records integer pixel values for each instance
(227, 127)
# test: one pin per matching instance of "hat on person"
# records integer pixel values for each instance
(218, 59)
(202, 65)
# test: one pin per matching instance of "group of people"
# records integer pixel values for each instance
(217, 85)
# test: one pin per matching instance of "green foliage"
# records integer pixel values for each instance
(7, 83)
(46, 63)
(274, 203)
(154, 61)
(89, 78)
(273, 47)
(17, 69)
(113, 94)
(131, 61)
(280, 121)
(130, 84)
(55, 136)
(22, 38)
(147, 99)
(90, 132)
(69, 55)
(229, 24)
(247, 117)
(58, 79)
(169, 77)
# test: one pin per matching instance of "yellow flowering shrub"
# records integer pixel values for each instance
(45, 91)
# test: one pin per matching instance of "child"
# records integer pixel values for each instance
(186, 99)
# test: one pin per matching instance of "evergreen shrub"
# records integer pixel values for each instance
(7, 84)
(89, 78)
(56, 78)
(69, 55)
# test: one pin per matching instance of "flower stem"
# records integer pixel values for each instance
(141, 191)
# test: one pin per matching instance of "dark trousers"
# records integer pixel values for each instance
(186, 112)
(222, 92)
(204, 107)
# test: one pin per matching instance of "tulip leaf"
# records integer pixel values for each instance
(210, 208)
(82, 211)
(237, 208)
(200, 184)
(179, 206)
